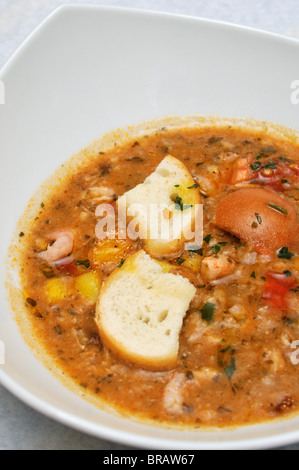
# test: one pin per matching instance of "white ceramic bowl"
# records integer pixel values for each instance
(86, 71)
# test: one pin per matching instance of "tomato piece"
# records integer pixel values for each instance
(275, 177)
(66, 266)
(277, 286)
(274, 173)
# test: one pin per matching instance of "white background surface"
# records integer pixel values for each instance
(21, 427)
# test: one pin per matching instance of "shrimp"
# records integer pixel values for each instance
(173, 394)
(241, 170)
(217, 266)
(63, 245)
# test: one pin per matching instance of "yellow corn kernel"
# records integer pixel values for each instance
(88, 285)
(193, 262)
(55, 290)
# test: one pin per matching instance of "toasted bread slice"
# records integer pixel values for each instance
(140, 311)
(165, 208)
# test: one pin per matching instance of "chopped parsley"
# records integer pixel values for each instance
(207, 239)
(284, 159)
(284, 253)
(121, 263)
(253, 274)
(278, 208)
(195, 185)
(287, 273)
(199, 163)
(258, 166)
(258, 217)
(255, 166)
(231, 369)
(207, 311)
(270, 165)
(225, 349)
(215, 249)
(84, 262)
(179, 204)
(180, 261)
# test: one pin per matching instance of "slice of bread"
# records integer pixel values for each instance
(140, 312)
(165, 207)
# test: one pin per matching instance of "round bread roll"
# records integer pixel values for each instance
(261, 217)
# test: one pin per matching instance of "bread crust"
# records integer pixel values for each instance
(174, 247)
(156, 362)
(246, 213)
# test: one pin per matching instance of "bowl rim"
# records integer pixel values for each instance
(140, 11)
(97, 429)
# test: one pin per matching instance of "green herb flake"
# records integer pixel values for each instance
(284, 253)
(207, 239)
(199, 163)
(269, 165)
(258, 217)
(176, 185)
(225, 349)
(121, 263)
(231, 369)
(180, 261)
(287, 273)
(284, 159)
(255, 166)
(207, 311)
(285, 181)
(253, 274)
(278, 208)
(254, 225)
(195, 185)
(84, 262)
(215, 249)
(179, 204)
